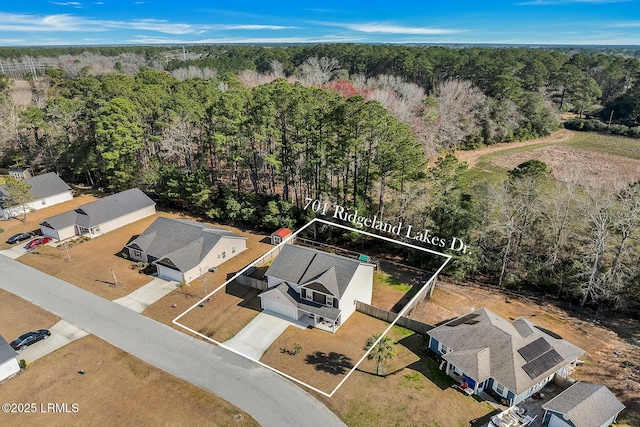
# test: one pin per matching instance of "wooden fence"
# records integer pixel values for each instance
(251, 282)
(387, 316)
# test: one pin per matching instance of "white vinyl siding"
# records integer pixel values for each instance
(9, 368)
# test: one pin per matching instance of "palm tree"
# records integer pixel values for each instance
(384, 350)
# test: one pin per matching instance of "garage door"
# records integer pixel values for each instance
(276, 307)
(170, 274)
(555, 421)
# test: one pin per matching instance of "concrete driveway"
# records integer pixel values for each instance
(62, 333)
(146, 295)
(255, 338)
(15, 252)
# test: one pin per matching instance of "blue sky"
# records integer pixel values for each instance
(81, 22)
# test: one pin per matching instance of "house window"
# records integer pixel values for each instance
(444, 348)
(95, 230)
(137, 254)
(44, 202)
(224, 254)
(218, 256)
(233, 249)
(330, 301)
(309, 295)
(499, 388)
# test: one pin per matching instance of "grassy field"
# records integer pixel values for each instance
(591, 158)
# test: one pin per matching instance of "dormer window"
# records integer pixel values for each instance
(329, 301)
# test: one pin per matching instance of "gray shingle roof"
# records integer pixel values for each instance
(46, 185)
(310, 306)
(102, 210)
(304, 266)
(179, 242)
(502, 339)
(586, 404)
(6, 351)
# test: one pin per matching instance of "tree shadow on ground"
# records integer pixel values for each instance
(332, 363)
(426, 366)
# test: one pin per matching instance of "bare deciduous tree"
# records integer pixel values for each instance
(458, 104)
(317, 71)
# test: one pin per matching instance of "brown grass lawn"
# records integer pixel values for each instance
(93, 261)
(17, 316)
(417, 395)
(326, 358)
(117, 389)
(228, 311)
(612, 354)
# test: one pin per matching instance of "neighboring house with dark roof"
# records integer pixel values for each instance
(183, 249)
(514, 359)
(316, 287)
(47, 190)
(8, 362)
(582, 405)
(99, 217)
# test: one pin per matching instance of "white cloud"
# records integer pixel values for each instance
(625, 24)
(326, 39)
(383, 28)
(74, 4)
(70, 23)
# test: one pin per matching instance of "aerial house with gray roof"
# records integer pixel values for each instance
(47, 190)
(316, 287)
(513, 359)
(8, 360)
(99, 217)
(183, 250)
(582, 405)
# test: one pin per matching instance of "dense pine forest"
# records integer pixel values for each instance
(244, 135)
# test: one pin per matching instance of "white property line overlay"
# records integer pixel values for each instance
(286, 240)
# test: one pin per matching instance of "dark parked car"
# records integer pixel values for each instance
(39, 241)
(20, 237)
(25, 340)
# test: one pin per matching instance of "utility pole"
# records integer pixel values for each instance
(184, 54)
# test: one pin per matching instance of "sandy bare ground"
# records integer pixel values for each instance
(21, 92)
(472, 156)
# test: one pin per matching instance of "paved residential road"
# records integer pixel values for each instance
(266, 396)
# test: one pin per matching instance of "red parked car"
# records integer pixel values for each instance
(39, 241)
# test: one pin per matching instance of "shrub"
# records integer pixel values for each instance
(618, 129)
(23, 364)
(633, 132)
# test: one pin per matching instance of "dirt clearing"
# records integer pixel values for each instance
(591, 168)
